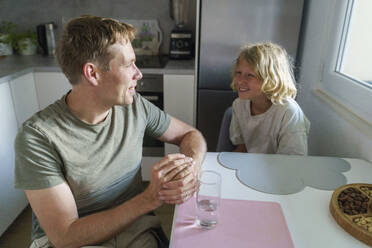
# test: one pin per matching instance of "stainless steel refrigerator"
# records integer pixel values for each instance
(224, 26)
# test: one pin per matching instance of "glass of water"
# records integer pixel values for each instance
(208, 199)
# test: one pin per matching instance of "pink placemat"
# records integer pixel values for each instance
(242, 223)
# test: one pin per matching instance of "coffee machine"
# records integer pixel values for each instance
(181, 45)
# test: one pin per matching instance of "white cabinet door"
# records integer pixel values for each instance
(179, 101)
(50, 86)
(24, 97)
(12, 201)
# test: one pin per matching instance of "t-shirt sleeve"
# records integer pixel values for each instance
(294, 133)
(236, 135)
(37, 164)
(157, 120)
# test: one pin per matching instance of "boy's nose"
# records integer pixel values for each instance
(239, 80)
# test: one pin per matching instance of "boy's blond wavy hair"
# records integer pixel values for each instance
(87, 39)
(271, 64)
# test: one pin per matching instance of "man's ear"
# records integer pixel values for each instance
(91, 73)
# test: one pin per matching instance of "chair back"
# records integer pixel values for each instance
(224, 143)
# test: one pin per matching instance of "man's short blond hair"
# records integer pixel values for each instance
(272, 65)
(87, 39)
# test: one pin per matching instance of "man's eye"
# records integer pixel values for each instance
(238, 73)
(130, 64)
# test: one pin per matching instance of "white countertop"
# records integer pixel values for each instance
(307, 212)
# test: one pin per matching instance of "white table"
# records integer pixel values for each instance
(307, 213)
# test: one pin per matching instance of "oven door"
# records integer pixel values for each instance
(151, 88)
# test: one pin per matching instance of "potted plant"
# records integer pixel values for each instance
(6, 38)
(25, 43)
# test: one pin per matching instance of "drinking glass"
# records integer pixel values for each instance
(208, 199)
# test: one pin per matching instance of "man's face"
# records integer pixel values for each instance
(246, 82)
(118, 84)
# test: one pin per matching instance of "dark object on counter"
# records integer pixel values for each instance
(46, 38)
(181, 45)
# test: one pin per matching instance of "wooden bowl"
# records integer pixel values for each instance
(351, 207)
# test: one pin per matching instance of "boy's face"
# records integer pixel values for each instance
(120, 81)
(246, 82)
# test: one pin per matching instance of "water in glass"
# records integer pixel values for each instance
(207, 213)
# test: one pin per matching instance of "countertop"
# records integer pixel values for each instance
(14, 66)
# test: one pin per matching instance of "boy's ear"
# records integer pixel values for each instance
(91, 73)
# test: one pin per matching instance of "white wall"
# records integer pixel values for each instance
(331, 133)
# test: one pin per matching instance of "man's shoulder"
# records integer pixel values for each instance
(45, 118)
(141, 105)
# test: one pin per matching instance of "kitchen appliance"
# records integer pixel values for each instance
(181, 45)
(224, 27)
(46, 38)
(151, 88)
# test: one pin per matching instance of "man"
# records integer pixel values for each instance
(79, 159)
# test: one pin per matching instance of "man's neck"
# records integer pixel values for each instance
(83, 104)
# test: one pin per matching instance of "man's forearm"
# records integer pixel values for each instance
(98, 227)
(193, 145)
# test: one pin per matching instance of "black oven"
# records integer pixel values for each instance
(151, 88)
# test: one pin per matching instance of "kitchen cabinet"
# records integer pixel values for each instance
(12, 201)
(179, 101)
(24, 97)
(50, 86)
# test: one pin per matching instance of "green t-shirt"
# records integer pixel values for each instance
(100, 163)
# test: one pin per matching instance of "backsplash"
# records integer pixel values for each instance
(42, 11)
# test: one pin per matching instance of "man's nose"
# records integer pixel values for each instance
(138, 74)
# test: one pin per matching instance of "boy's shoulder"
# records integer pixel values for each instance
(291, 110)
(289, 105)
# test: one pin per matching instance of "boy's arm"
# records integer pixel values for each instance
(240, 148)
